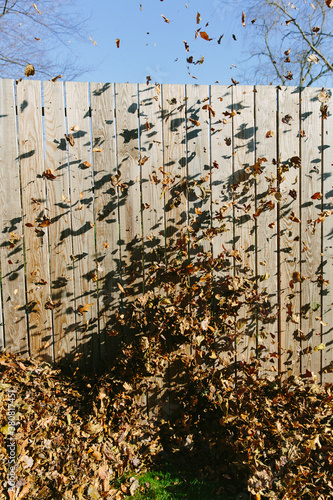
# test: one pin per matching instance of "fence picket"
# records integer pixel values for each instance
(36, 216)
(150, 124)
(244, 196)
(266, 234)
(61, 265)
(327, 249)
(13, 328)
(289, 229)
(82, 230)
(311, 207)
(106, 213)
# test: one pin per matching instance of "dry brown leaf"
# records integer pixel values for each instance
(70, 139)
(85, 308)
(204, 35)
(165, 19)
(117, 42)
(29, 70)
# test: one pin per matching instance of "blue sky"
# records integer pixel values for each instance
(149, 46)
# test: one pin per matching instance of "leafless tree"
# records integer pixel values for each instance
(39, 33)
(292, 41)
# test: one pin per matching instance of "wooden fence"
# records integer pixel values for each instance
(81, 176)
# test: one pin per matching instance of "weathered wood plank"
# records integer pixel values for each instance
(311, 185)
(266, 224)
(130, 231)
(129, 195)
(289, 229)
(106, 213)
(150, 123)
(244, 197)
(82, 230)
(222, 203)
(327, 248)
(222, 177)
(36, 214)
(176, 215)
(13, 331)
(60, 244)
(198, 165)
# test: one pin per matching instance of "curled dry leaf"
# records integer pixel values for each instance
(70, 139)
(48, 174)
(117, 42)
(204, 35)
(243, 18)
(29, 70)
(83, 309)
(324, 96)
(187, 48)
(270, 133)
(165, 19)
(209, 108)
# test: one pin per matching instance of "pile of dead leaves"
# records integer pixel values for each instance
(74, 434)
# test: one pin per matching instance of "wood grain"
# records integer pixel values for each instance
(13, 329)
(34, 204)
(61, 264)
(311, 269)
(244, 196)
(106, 214)
(82, 218)
(266, 224)
(289, 230)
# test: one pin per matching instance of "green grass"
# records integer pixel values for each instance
(172, 486)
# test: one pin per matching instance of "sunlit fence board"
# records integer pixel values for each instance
(311, 207)
(35, 210)
(105, 213)
(243, 189)
(104, 180)
(13, 324)
(289, 228)
(151, 148)
(327, 248)
(59, 204)
(266, 227)
(82, 227)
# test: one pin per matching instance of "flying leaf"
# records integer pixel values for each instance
(48, 174)
(194, 121)
(316, 196)
(29, 70)
(55, 78)
(219, 40)
(120, 287)
(234, 37)
(70, 139)
(204, 35)
(324, 96)
(243, 18)
(118, 42)
(85, 308)
(320, 347)
(97, 150)
(270, 133)
(35, 7)
(329, 4)
(313, 58)
(209, 108)
(165, 19)
(187, 48)
(198, 18)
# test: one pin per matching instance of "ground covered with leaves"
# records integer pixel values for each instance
(76, 436)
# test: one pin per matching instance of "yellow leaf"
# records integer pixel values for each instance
(120, 288)
(97, 150)
(320, 347)
(85, 308)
